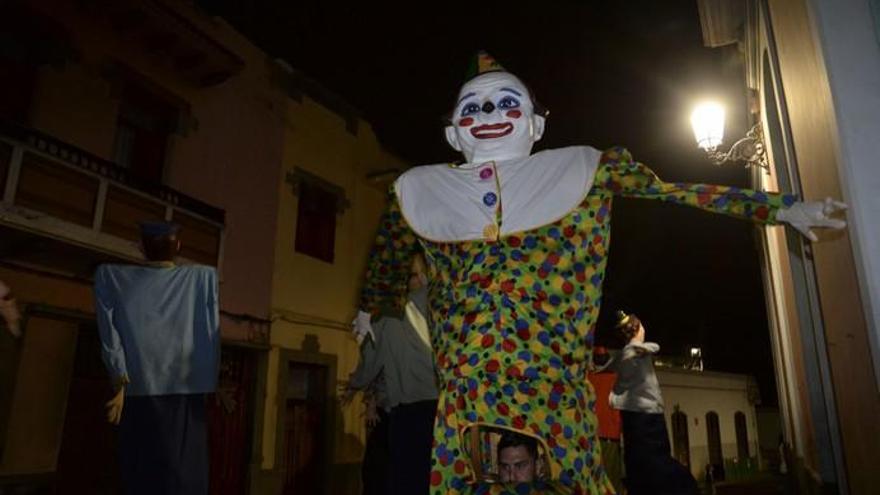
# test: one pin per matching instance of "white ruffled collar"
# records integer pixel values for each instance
(446, 203)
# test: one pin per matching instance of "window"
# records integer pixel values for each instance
(319, 204)
(144, 124)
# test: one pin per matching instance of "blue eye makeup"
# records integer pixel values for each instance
(470, 109)
(508, 102)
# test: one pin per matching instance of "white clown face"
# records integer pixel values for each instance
(494, 119)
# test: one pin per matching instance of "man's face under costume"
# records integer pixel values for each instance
(494, 119)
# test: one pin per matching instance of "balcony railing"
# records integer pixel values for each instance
(57, 190)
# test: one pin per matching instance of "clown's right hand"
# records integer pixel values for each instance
(361, 327)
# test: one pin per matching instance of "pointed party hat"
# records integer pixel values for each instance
(481, 64)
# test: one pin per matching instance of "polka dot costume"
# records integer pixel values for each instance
(513, 319)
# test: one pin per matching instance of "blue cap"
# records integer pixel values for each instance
(159, 229)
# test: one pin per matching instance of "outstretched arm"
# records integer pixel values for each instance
(111, 346)
(111, 342)
(624, 176)
(388, 268)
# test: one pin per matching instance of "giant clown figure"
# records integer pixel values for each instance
(517, 245)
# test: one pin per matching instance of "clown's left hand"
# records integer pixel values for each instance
(361, 327)
(804, 215)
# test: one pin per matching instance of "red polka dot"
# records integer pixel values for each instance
(507, 286)
(762, 212)
(487, 340)
(524, 334)
(459, 466)
(508, 345)
(492, 366)
(567, 287)
(514, 241)
(503, 409)
(436, 479)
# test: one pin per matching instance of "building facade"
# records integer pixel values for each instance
(114, 113)
(710, 417)
(812, 68)
(332, 190)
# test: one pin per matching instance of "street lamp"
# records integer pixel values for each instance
(696, 361)
(707, 121)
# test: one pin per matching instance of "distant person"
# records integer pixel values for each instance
(602, 380)
(650, 468)
(398, 354)
(518, 459)
(160, 342)
(9, 310)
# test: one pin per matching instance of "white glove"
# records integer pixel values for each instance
(805, 215)
(361, 327)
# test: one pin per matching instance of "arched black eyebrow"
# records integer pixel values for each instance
(465, 97)
(517, 93)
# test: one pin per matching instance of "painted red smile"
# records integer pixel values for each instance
(492, 131)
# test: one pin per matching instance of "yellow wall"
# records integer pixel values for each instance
(314, 301)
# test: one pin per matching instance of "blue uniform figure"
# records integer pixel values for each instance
(160, 341)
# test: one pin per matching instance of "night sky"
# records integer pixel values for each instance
(611, 73)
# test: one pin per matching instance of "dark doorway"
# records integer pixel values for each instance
(230, 420)
(304, 429)
(713, 435)
(742, 435)
(681, 444)
(87, 459)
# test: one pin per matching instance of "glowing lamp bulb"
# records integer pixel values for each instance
(708, 123)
